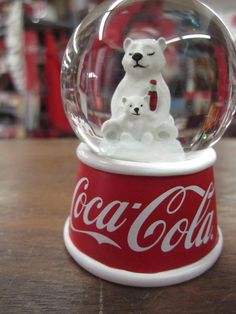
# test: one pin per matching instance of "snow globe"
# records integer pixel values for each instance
(148, 87)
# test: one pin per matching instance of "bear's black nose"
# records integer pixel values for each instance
(137, 56)
(136, 110)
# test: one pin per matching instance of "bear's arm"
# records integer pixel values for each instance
(164, 98)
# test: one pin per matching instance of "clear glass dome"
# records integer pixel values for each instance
(200, 68)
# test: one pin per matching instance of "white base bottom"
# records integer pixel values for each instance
(128, 278)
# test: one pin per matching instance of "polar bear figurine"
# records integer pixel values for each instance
(143, 61)
(133, 123)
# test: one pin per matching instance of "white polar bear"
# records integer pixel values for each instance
(135, 132)
(133, 123)
(143, 61)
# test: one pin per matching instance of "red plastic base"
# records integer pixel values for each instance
(143, 223)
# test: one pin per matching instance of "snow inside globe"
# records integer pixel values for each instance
(149, 80)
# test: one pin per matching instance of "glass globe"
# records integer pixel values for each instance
(200, 67)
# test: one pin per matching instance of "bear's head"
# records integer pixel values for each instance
(136, 105)
(144, 56)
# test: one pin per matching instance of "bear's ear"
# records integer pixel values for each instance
(162, 43)
(146, 98)
(126, 43)
(124, 99)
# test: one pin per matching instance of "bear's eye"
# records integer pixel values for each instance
(151, 53)
(141, 105)
(130, 54)
(131, 106)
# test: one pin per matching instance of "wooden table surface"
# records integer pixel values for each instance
(37, 275)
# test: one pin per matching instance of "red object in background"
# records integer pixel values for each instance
(234, 21)
(63, 41)
(114, 30)
(221, 60)
(31, 56)
(56, 112)
(153, 95)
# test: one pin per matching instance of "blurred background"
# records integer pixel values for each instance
(33, 37)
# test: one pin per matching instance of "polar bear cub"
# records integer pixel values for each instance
(137, 122)
(133, 123)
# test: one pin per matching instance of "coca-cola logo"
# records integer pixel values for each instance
(190, 232)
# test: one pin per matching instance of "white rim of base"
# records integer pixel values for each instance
(128, 278)
(194, 162)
